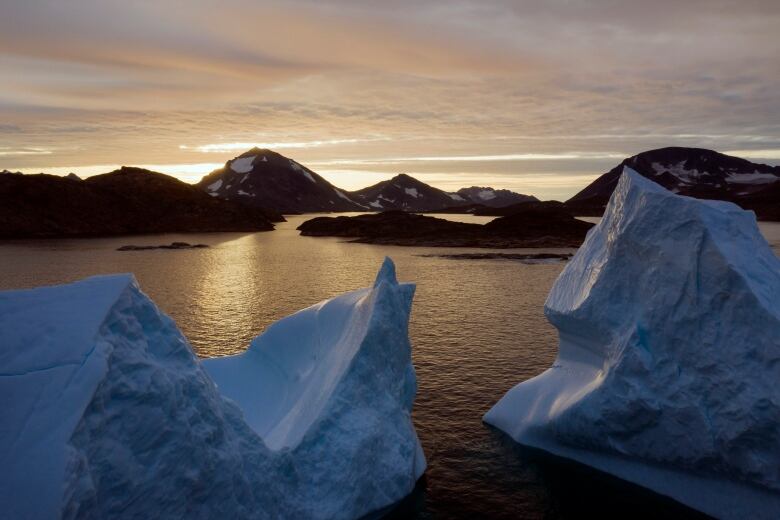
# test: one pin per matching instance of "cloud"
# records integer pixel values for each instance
(6, 151)
(491, 89)
(279, 145)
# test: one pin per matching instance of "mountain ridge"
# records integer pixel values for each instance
(125, 201)
(694, 172)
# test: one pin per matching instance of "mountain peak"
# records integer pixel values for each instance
(263, 178)
(694, 172)
(257, 151)
(491, 197)
(402, 192)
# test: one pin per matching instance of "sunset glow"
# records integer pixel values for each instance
(363, 91)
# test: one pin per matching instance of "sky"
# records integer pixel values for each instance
(535, 96)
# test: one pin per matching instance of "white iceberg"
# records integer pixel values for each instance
(105, 412)
(669, 359)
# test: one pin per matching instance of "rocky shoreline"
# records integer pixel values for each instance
(172, 245)
(532, 228)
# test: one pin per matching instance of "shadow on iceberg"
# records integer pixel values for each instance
(669, 356)
(106, 411)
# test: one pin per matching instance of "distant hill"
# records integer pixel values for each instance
(403, 192)
(493, 198)
(126, 201)
(406, 193)
(263, 178)
(694, 172)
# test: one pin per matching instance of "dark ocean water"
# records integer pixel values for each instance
(477, 329)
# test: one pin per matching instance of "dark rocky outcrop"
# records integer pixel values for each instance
(532, 228)
(172, 245)
(126, 201)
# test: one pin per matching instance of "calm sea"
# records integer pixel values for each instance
(477, 329)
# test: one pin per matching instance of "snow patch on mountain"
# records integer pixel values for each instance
(300, 169)
(752, 178)
(487, 194)
(679, 171)
(242, 164)
(341, 194)
(214, 186)
(413, 192)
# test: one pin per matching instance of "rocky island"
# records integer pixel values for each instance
(172, 245)
(530, 227)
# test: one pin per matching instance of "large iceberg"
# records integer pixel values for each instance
(668, 371)
(105, 412)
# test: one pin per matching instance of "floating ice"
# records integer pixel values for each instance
(669, 359)
(106, 412)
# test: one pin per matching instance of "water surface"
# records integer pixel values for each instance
(477, 329)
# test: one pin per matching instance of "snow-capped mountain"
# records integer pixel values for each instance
(694, 172)
(266, 179)
(491, 197)
(406, 193)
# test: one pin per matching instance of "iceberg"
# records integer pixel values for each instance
(107, 413)
(669, 354)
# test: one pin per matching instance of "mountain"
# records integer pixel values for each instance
(266, 179)
(493, 198)
(695, 172)
(406, 193)
(126, 201)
